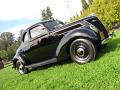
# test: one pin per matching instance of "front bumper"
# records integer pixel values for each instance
(106, 40)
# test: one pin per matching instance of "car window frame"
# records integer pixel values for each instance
(38, 35)
(25, 33)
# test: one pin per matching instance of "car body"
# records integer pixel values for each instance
(1, 64)
(52, 41)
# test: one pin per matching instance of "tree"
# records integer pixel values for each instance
(46, 14)
(6, 40)
(43, 15)
(90, 2)
(108, 12)
(84, 4)
(19, 39)
(8, 45)
(10, 53)
(3, 55)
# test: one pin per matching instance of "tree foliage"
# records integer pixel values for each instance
(8, 46)
(84, 4)
(46, 14)
(49, 13)
(6, 40)
(43, 15)
(107, 10)
(19, 39)
(90, 2)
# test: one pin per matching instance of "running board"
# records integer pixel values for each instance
(53, 60)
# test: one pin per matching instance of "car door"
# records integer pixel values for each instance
(42, 46)
(25, 47)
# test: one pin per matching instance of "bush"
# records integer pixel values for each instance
(4, 54)
(8, 54)
(107, 10)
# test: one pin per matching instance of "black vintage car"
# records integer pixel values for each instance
(1, 64)
(52, 41)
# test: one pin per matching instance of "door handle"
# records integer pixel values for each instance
(54, 34)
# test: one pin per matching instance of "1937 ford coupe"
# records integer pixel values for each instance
(52, 41)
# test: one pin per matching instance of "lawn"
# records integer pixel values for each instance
(102, 74)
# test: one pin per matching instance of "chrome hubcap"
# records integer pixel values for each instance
(21, 69)
(80, 52)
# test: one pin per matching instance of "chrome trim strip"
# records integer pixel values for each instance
(42, 63)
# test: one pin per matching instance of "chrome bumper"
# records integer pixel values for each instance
(105, 41)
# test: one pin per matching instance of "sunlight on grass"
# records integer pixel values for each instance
(102, 74)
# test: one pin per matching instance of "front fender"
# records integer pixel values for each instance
(18, 57)
(80, 32)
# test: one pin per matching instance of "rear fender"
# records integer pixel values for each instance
(80, 32)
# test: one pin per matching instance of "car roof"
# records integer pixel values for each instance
(42, 22)
(51, 20)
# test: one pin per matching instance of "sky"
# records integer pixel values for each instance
(20, 14)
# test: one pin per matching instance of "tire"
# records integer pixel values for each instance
(20, 67)
(82, 51)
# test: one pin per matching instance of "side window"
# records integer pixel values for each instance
(38, 31)
(25, 37)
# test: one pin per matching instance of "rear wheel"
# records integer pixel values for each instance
(82, 51)
(21, 68)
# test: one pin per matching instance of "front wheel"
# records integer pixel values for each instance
(20, 67)
(82, 51)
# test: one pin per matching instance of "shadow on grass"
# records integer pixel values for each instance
(67, 61)
(111, 46)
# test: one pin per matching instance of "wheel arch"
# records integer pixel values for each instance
(20, 58)
(71, 36)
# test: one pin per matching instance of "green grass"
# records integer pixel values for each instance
(102, 74)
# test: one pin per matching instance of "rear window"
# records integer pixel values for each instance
(53, 24)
